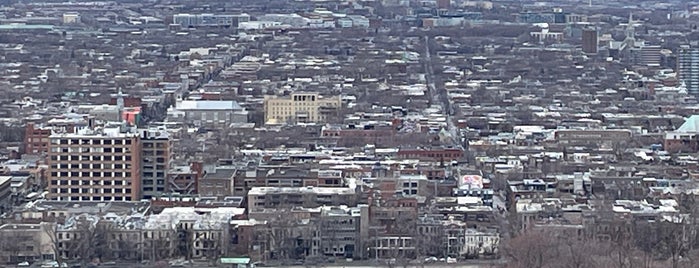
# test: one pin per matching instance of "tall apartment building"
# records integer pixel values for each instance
(94, 165)
(688, 68)
(156, 157)
(589, 41)
(304, 107)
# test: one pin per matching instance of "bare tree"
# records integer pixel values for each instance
(531, 249)
(88, 240)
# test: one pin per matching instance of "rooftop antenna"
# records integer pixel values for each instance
(590, 3)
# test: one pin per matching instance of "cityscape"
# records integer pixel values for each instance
(349, 133)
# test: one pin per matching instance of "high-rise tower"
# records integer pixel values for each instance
(589, 41)
(688, 68)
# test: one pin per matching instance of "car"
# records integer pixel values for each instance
(23, 264)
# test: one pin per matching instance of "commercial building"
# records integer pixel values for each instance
(300, 108)
(94, 165)
(649, 56)
(688, 68)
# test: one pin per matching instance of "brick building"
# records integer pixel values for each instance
(95, 165)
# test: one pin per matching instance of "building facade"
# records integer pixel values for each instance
(94, 165)
(688, 69)
(260, 198)
(300, 108)
(156, 156)
(589, 41)
(210, 20)
(202, 113)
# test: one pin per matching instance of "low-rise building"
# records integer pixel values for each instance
(273, 197)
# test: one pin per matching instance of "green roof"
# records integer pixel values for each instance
(25, 27)
(235, 260)
(690, 125)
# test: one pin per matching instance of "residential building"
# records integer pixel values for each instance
(589, 41)
(300, 108)
(688, 68)
(339, 231)
(95, 165)
(273, 197)
(218, 183)
(156, 155)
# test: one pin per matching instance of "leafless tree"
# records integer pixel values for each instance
(286, 238)
(88, 241)
(531, 249)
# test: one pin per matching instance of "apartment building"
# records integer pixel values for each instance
(304, 107)
(338, 233)
(94, 165)
(156, 157)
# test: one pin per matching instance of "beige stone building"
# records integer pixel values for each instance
(304, 107)
(27, 242)
(94, 165)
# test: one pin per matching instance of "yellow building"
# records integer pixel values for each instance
(304, 107)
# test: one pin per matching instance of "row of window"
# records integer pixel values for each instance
(91, 150)
(91, 157)
(90, 191)
(93, 198)
(92, 141)
(126, 166)
(89, 182)
(88, 174)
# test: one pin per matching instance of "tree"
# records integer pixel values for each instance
(87, 239)
(285, 238)
(531, 249)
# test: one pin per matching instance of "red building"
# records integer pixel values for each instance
(36, 139)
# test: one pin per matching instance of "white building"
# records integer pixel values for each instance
(71, 18)
(207, 113)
